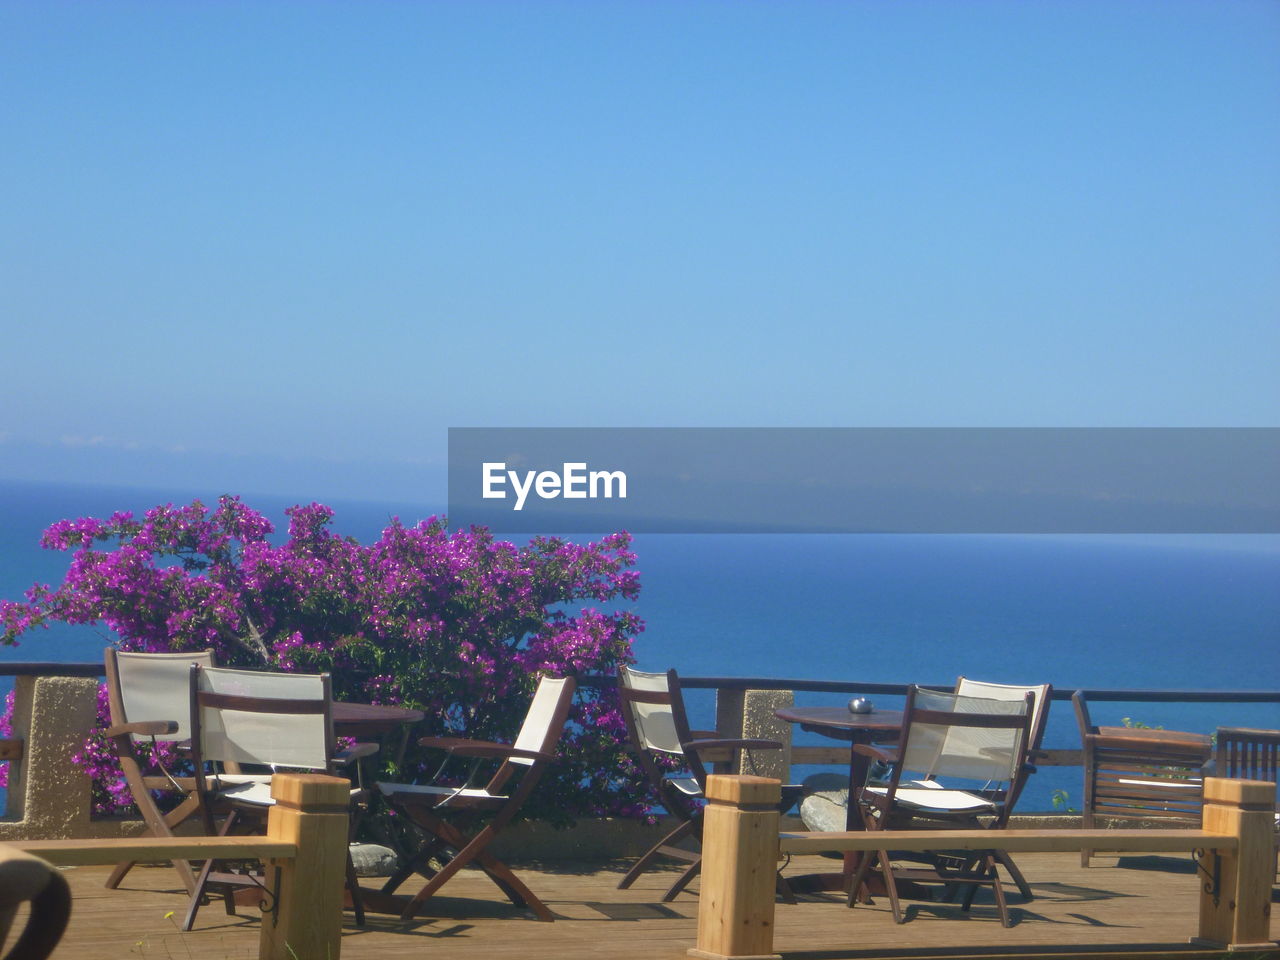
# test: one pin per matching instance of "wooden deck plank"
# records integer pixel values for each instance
(1079, 913)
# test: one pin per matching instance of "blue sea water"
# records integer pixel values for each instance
(1173, 613)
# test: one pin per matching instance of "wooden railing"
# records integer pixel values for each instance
(304, 850)
(741, 846)
(56, 706)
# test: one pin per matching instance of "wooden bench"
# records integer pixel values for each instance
(742, 845)
(304, 851)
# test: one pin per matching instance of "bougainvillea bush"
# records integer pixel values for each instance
(455, 623)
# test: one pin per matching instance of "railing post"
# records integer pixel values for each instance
(758, 720)
(49, 796)
(729, 710)
(739, 869)
(311, 811)
(1235, 885)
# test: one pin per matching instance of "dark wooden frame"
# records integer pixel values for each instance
(121, 733)
(452, 840)
(1040, 721)
(883, 812)
(684, 807)
(237, 815)
(1124, 768)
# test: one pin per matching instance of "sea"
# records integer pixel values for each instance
(1178, 613)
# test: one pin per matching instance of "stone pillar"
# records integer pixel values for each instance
(758, 720)
(48, 794)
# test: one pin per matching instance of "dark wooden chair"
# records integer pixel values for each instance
(967, 740)
(1008, 793)
(671, 756)
(244, 719)
(150, 704)
(1139, 773)
(461, 821)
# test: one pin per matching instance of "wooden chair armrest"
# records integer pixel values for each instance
(355, 752)
(731, 744)
(143, 728)
(445, 743)
(876, 753)
(497, 751)
(462, 747)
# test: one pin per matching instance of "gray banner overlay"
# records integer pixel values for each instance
(863, 480)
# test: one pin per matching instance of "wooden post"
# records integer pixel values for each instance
(739, 869)
(1237, 914)
(310, 811)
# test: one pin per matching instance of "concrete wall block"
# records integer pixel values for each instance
(758, 720)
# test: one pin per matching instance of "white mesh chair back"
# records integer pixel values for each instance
(279, 739)
(655, 722)
(544, 722)
(155, 686)
(941, 748)
(1005, 691)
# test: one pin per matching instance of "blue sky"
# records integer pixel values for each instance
(282, 247)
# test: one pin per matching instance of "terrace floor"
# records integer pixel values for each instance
(1120, 907)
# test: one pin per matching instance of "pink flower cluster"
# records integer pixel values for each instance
(455, 623)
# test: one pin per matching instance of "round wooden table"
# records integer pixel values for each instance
(370, 719)
(878, 726)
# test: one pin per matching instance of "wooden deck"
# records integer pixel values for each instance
(1120, 907)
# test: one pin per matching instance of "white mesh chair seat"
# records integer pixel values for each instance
(686, 785)
(431, 790)
(248, 789)
(928, 796)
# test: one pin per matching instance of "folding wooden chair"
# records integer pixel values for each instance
(1008, 793)
(452, 815)
(1140, 773)
(948, 735)
(250, 717)
(653, 708)
(150, 703)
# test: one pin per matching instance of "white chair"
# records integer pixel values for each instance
(653, 708)
(150, 704)
(1041, 699)
(273, 720)
(435, 807)
(966, 739)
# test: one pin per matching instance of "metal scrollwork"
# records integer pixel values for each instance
(1213, 879)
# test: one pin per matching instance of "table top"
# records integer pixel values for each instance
(840, 724)
(370, 719)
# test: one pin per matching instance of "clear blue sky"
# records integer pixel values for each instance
(284, 245)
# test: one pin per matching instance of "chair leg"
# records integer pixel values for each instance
(414, 864)
(1015, 875)
(202, 880)
(353, 887)
(657, 850)
(683, 880)
(162, 828)
(890, 886)
(512, 886)
(468, 850)
(997, 889)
